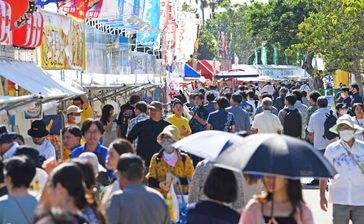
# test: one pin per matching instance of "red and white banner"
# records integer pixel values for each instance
(173, 86)
(186, 35)
(25, 23)
(163, 14)
(5, 20)
(169, 41)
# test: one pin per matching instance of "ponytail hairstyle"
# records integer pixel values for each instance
(70, 176)
(90, 181)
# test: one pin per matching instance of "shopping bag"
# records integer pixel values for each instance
(182, 202)
(173, 206)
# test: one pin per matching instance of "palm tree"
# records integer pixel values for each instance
(203, 5)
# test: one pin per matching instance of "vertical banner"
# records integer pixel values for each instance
(169, 41)
(275, 56)
(264, 56)
(255, 62)
(186, 35)
(149, 36)
(222, 49)
(163, 14)
(172, 87)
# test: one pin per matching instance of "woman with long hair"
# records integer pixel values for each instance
(116, 149)
(93, 211)
(67, 192)
(283, 198)
(108, 121)
(358, 118)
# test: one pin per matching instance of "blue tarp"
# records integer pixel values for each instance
(189, 72)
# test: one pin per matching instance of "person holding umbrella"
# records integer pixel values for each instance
(289, 206)
(277, 158)
(345, 191)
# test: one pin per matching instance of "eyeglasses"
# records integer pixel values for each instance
(92, 132)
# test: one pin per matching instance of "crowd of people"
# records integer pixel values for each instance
(123, 168)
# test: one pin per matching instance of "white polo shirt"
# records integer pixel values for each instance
(348, 187)
(267, 122)
(317, 126)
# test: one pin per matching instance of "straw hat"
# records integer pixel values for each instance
(346, 119)
(171, 131)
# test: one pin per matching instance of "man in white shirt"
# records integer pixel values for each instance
(305, 87)
(316, 129)
(346, 191)
(302, 109)
(268, 88)
(7, 145)
(266, 122)
(39, 132)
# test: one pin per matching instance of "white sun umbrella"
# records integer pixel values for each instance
(208, 144)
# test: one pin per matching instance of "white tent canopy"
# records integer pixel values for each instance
(32, 78)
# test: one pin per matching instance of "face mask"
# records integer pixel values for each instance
(342, 95)
(166, 145)
(78, 119)
(346, 135)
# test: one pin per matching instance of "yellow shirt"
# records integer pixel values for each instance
(181, 123)
(87, 113)
(158, 170)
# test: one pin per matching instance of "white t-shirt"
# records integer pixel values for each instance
(38, 183)
(267, 122)
(348, 187)
(268, 89)
(46, 149)
(359, 122)
(316, 125)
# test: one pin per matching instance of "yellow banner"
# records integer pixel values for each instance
(63, 44)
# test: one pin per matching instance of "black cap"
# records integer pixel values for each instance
(340, 106)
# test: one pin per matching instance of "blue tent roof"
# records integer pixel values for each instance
(189, 71)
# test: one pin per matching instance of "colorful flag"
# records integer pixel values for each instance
(264, 56)
(255, 61)
(275, 56)
(236, 59)
(231, 53)
(81, 9)
(149, 37)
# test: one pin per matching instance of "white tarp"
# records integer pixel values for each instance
(32, 78)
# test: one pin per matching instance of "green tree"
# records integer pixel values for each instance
(335, 32)
(276, 24)
(188, 8)
(208, 45)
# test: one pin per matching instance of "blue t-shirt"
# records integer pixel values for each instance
(221, 120)
(10, 212)
(247, 107)
(100, 152)
(356, 98)
(210, 107)
(203, 113)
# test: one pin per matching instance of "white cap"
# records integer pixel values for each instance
(92, 158)
(73, 109)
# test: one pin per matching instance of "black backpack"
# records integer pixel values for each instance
(329, 123)
(292, 123)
